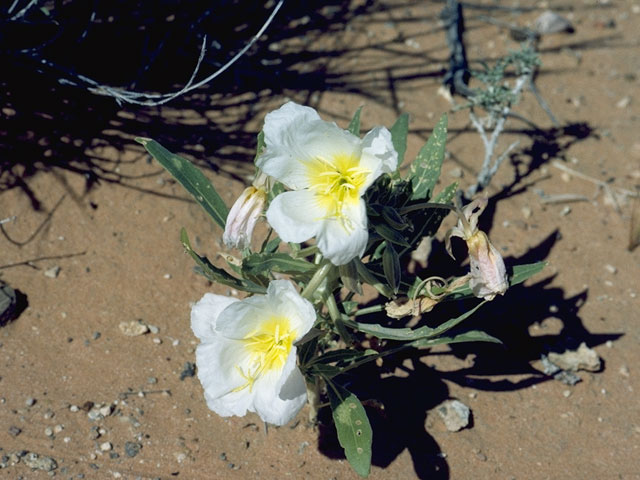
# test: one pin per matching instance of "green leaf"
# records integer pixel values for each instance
(425, 169)
(399, 133)
(391, 235)
(354, 126)
(259, 145)
(470, 336)
(343, 355)
(191, 178)
(522, 272)
(263, 263)
(353, 427)
(393, 218)
(410, 334)
(271, 245)
(391, 267)
(216, 274)
(349, 277)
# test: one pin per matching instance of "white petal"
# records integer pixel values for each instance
(378, 154)
(295, 137)
(342, 240)
(291, 305)
(278, 400)
(218, 363)
(242, 318)
(295, 216)
(205, 313)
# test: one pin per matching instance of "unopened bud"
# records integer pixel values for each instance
(243, 216)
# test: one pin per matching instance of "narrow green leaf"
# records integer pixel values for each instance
(393, 218)
(367, 277)
(263, 263)
(191, 178)
(353, 427)
(259, 145)
(391, 267)
(470, 336)
(425, 169)
(354, 125)
(522, 272)
(399, 133)
(272, 245)
(391, 235)
(216, 274)
(343, 355)
(409, 334)
(349, 277)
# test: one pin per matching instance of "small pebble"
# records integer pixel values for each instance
(133, 328)
(611, 269)
(152, 380)
(153, 329)
(565, 211)
(58, 428)
(553, 309)
(74, 408)
(106, 410)
(157, 341)
(624, 102)
(131, 449)
(167, 276)
(175, 343)
(52, 272)
(609, 344)
(30, 402)
(526, 212)
(624, 371)
(566, 393)
(14, 431)
(66, 439)
(48, 432)
(106, 446)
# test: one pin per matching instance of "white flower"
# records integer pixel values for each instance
(243, 216)
(488, 273)
(247, 358)
(329, 169)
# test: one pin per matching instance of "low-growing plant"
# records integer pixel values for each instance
(342, 220)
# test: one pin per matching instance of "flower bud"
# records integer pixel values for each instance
(488, 272)
(243, 216)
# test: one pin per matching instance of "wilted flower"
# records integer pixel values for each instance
(247, 358)
(329, 169)
(244, 214)
(488, 273)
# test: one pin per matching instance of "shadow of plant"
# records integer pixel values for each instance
(399, 393)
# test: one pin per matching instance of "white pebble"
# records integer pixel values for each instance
(74, 408)
(175, 343)
(624, 371)
(167, 276)
(106, 446)
(48, 432)
(58, 428)
(66, 439)
(566, 393)
(105, 411)
(611, 269)
(609, 344)
(157, 341)
(52, 272)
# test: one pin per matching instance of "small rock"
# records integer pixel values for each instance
(58, 428)
(583, 358)
(565, 211)
(132, 449)
(624, 371)
(566, 393)
(611, 269)
(624, 102)
(133, 328)
(52, 272)
(153, 329)
(550, 22)
(30, 402)
(157, 341)
(48, 432)
(455, 414)
(152, 380)
(14, 431)
(526, 212)
(7, 303)
(106, 446)
(188, 370)
(106, 410)
(456, 172)
(74, 408)
(37, 462)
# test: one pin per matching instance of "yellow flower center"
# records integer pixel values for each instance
(268, 347)
(336, 182)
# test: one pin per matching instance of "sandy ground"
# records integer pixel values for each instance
(117, 248)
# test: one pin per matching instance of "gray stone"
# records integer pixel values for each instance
(455, 414)
(132, 449)
(584, 358)
(39, 462)
(7, 303)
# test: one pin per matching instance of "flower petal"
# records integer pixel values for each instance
(295, 216)
(342, 240)
(296, 137)
(205, 313)
(217, 363)
(290, 304)
(378, 154)
(278, 401)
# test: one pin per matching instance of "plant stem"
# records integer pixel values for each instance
(366, 311)
(317, 279)
(425, 205)
(305, 252)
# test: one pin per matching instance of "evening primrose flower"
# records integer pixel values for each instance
(328, 170)
(244, 214)
(488, 273)
(247, 356)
